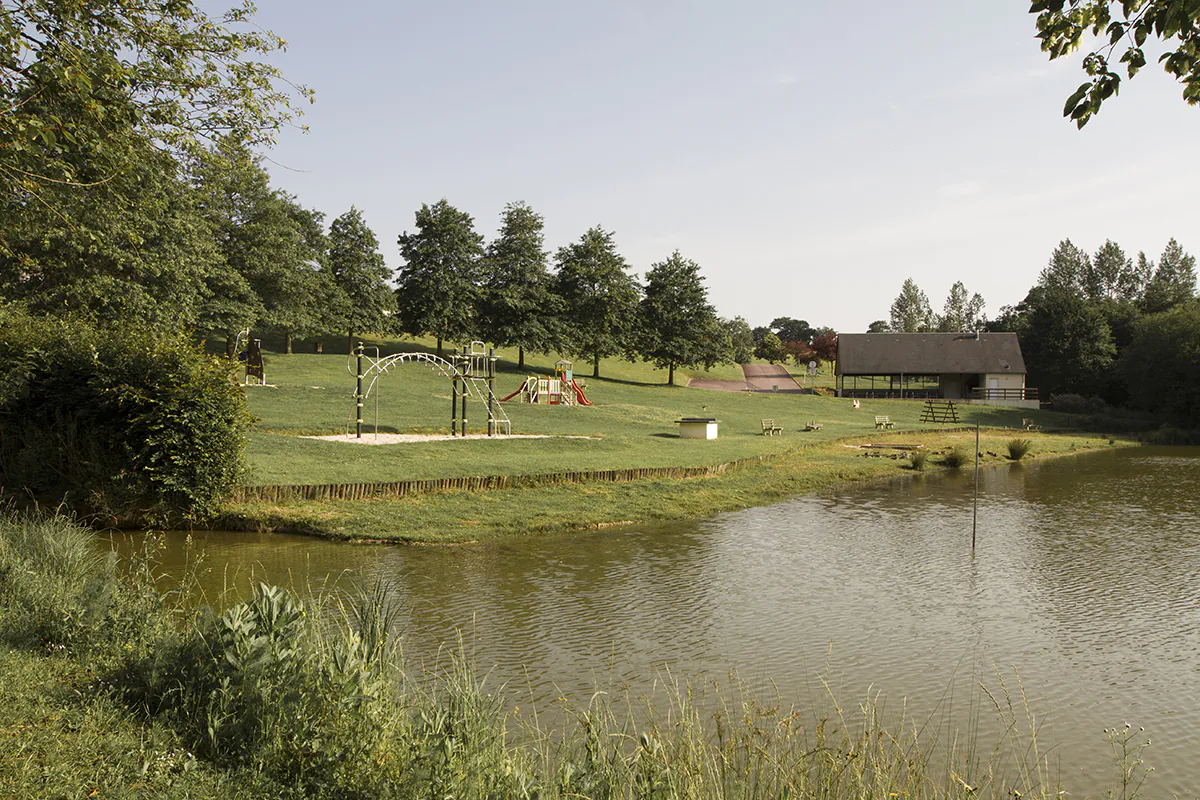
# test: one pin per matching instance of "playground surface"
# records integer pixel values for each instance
(400, 438)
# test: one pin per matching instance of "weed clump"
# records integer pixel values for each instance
(957, 457)
(1018, 448)
(917, 459)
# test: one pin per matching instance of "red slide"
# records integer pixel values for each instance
(514, 394)
(579, 395)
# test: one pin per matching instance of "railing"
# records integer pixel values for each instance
(991, 393)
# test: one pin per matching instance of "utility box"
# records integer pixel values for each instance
(697, 428)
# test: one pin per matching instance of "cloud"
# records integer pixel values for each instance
(960, 189)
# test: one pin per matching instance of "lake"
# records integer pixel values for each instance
(1085, 581)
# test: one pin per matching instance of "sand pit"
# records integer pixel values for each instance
(401, 438)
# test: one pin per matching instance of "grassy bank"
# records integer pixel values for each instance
(469, 515)
(113, 690)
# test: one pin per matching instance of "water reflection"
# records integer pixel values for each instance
(1084, 579)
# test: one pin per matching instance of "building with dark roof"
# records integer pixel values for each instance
(971, 367)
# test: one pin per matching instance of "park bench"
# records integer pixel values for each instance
(813, 426)
(883, 422)
(1030, 425)
(769, 428)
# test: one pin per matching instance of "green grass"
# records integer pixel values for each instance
(630, 424)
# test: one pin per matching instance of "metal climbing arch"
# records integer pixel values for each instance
(471, 373)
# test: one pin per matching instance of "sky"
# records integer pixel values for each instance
(808, 156)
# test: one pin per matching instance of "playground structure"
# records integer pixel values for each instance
(256, 371)
(559, 390)
(472, 373)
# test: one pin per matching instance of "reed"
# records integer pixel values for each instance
(1018, 448)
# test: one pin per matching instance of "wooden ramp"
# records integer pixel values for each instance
(940, 411)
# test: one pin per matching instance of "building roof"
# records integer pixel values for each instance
(928, 353)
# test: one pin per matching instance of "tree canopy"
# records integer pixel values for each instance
(961, 312)
(517, 307)
(600, 299)
(437, 289)
(360, 274)
(1124, 27)
(910, 311)
(678, 327)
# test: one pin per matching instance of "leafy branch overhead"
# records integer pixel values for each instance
(1123, 27)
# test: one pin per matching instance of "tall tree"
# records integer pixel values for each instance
(1174, 281)
(74, 76)
(1067, 343)
(518, 308)
(771, 349)
(961, 312)
(437, 289)
(600, 298)
(360, 275)
(910, 310)
(792, 330)
(1067, 269)
(1110, 274)
(741, 340)
(676, 321)
(1062, 26)
(1161, 366)
(824, 345)
(878, 326)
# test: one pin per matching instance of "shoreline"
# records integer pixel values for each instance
(539, 504)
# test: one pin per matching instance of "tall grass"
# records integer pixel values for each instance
(313, 699)
(1018, 448)
(956, 457)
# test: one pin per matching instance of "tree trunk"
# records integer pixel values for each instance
(228, 347)
(439, 350)
(596, 365)
(287, 343)
(520, 357)
(670, 374)
(350, 341)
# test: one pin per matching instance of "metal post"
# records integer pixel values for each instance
(463, 420)
(453, 403)
(975, 511)
(358, 392)
(491, 376)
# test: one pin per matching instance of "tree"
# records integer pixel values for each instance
(1174, 280)
(741, 340)
(75, 77)
(1067, 343)
(1161, 366)
(792, 330)
(910, 311)
(878, 326)
(518, 309)
(600, 300)
(961, 313)
(1067, 269)
(1111, 274)
(676, 321)
(437, 288)
(360, 275)
(1062, 25)
(824, 345)
(132, 246)
(771, 349)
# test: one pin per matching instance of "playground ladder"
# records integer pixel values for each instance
(483, 393)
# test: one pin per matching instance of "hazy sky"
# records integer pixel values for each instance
(808, 156)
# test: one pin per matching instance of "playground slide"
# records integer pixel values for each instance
(514, 394)
(579, 395)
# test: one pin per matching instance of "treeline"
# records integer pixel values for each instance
(1117, 330)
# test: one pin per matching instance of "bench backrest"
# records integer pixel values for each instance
(881, 419)
(768, 423)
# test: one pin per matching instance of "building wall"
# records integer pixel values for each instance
(1007, 380)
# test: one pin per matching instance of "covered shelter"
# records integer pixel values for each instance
(968, 367)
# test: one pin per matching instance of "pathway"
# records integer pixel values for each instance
(758, 378)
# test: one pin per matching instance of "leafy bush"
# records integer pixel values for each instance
(1077, 404)
(917, 458)
(116, 421)
(1017, 448)
(957, 456)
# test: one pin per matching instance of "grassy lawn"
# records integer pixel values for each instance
(630, 424)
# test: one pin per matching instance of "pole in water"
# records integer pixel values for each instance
(358, 395)
(975, 510)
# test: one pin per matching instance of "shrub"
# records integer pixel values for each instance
(1077, 404)
(1017, 448)
(957, 456)
(116, 421)
(917, 459)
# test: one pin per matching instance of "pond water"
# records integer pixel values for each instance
(1085, 580)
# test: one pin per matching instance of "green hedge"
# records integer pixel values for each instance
(118, 422)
